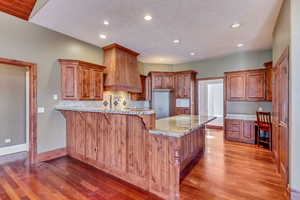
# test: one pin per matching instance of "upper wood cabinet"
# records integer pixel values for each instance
(81, 80)
(249, 85)
(144, 95)
(162, 80)
(236, 86)
(185, 83)
(256, 85)
(269, 82)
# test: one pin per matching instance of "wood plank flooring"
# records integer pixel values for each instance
(228, 171)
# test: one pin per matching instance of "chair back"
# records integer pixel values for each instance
(263, 118)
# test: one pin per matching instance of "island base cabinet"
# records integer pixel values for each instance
(114, 143)
(169, 156)
(122, 146)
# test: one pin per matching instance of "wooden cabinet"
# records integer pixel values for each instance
(256, 85)
(144, 95)
(269, 84)
(185, 83)
(81, 80)
(162, 80)
(182, 111)
(249, 85)
(240, 130)
(248, 133)
(236, 86)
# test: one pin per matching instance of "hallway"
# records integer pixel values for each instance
(226, 172)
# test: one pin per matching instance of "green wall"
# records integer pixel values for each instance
(217, 66)
(24, 41)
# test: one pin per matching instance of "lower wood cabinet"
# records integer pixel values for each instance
(182, 111)
(240, 130)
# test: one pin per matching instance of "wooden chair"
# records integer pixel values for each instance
(264, 123)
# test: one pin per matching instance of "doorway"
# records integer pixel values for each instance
(211, 100)
(31, 69)
(13, 107)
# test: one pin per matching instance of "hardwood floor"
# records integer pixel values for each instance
(227, 171)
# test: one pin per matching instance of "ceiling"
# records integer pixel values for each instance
(202, 26)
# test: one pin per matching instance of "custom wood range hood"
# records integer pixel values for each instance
(121, 73)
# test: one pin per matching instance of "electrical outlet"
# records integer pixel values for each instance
(41, 109)
(55, 97)
(7, 141)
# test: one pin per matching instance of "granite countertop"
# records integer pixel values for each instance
(246, 117)
(103, 110)
(180, 125)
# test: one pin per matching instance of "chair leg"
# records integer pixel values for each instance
(257, 136)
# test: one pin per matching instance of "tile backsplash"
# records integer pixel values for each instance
(111, 100)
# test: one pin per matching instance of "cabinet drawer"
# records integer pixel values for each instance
(233, 134)
(234, 125)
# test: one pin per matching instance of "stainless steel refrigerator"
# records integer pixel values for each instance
(162, 103)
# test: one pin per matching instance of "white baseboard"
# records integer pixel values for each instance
(13, 149)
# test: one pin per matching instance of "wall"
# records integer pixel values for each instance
(295, 97)
(21, 40)
(282, 31)
(12, 105)
(217, 66)
(147, 67)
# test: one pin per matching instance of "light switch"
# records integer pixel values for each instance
(41, 109)
(55, 97)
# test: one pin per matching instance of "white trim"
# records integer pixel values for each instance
(13, 149)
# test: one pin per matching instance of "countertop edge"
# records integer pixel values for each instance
(178, 135)
(128, 112)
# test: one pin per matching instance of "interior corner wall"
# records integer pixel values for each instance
(295, 97)
(24, 41)
(237, 61)
(148, 67)
(282, 31)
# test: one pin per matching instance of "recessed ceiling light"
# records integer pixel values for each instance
(240, 45)
(148, 17)
(176, 41)
(102, 36)
(235, 25)
(192, 53)
(105, 22)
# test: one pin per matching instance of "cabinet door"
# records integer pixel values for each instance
(236, 87)
(248, 133)
(157, 82)
(180, 85)
(187, 85)
(269, 84)
(69, 81)
(85, 77)
(167, 81)
(256, 86)
(97, 85)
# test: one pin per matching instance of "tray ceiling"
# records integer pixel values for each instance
(202, 27)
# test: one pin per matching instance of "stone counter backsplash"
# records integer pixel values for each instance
(111, 100)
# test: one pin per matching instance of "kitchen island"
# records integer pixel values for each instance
(133, 146)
